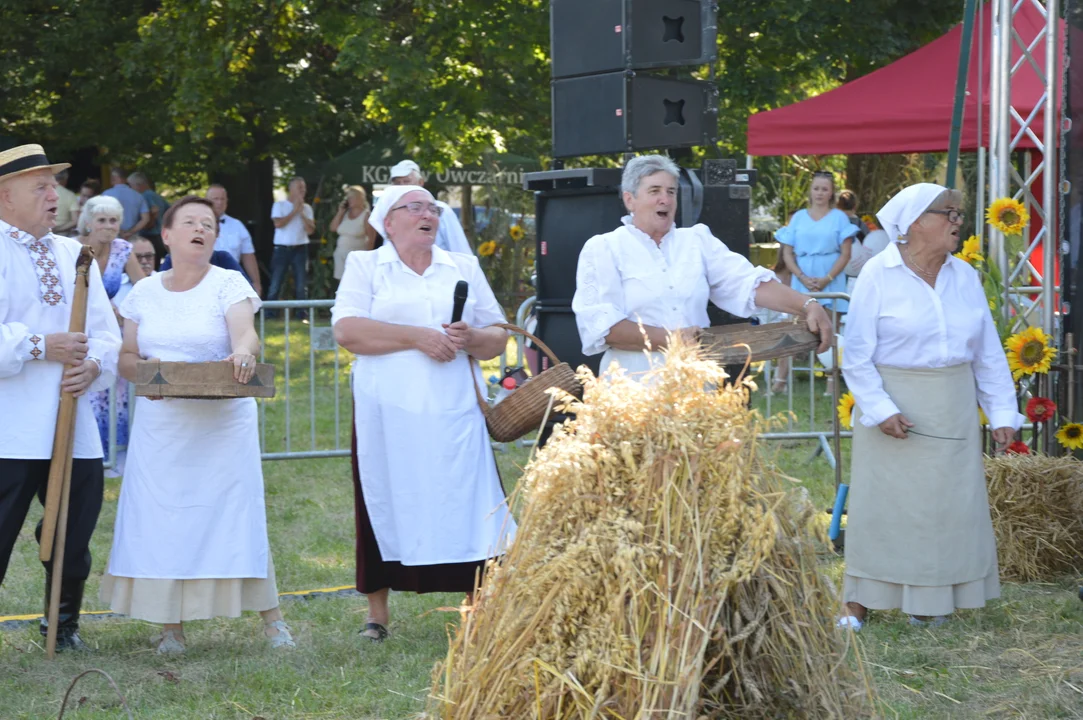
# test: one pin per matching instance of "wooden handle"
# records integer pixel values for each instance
(63, 437)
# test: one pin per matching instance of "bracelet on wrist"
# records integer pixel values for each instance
(809, 302)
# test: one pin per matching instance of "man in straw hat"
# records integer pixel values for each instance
(37, 285)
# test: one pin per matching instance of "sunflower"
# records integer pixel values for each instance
(1008, 216)
(1018, 448)
(1040, 409)
(870, 221)
(487, 248)
(846, 411)
(971, 251)
(516, 232)
(1070, 436)
(1029, 352)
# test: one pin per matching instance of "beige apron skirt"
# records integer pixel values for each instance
(918, 533)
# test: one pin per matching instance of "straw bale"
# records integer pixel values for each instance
(660, 570)
(1036, 503)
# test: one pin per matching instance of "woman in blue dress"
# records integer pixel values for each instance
(99, 225)
(816, 243)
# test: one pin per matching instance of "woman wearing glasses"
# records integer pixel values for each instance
(430, 506)
(922, 353)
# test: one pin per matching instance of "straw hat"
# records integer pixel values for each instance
(26, 158)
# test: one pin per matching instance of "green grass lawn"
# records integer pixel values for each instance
(1020, 657)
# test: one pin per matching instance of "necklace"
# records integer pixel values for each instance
(920, 269)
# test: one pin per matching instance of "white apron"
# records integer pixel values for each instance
(191, 504)
(426, 462)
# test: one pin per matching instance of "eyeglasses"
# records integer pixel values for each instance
(144, 256)
(417, 208)
(954, 216)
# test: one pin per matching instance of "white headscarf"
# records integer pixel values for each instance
(388, 199)
(901, 211)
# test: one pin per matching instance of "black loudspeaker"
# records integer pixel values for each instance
(600, 36)
(557, 329)
(566, 219)
(624, 111)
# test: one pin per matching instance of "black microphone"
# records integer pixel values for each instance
(462, 288)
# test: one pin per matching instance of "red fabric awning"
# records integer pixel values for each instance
(907, 105)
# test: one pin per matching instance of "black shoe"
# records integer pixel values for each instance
(71, 602)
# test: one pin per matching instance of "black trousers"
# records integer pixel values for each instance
(21, 480)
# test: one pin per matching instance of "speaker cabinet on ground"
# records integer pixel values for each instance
(625, 111)
(557, 329)
(600, 36)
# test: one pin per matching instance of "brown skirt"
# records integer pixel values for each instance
(374, 573)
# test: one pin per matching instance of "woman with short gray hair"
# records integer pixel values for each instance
(653, 274)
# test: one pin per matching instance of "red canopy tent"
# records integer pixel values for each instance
(904, 107)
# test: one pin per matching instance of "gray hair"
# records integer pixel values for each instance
(138, 178)
(98, 205)
(645, 166)
(950, 196)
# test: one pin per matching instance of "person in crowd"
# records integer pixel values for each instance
(143, 251)
(649, 272)
(99, 223)
(91, 187)
(816, 242)
(67, 207)
(351, 224)
(157, 205)
(451, 236)
(430, 516)
(868, 247)
(190, 541)
(922, 354)
(136, 209)
(847, 202)
(294, 221)
(36, 296)
(234, 238)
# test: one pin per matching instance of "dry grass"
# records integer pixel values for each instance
(1037, 508)
(660, 570)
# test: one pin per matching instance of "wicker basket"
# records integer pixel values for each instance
(523, 410)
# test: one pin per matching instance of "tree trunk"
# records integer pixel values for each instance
(468, 213)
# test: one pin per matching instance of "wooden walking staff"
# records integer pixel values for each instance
(58, 491)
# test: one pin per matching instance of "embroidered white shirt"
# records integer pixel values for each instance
(625, 275)
(30, 384)
(896, 319)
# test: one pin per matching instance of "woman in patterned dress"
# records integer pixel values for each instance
(99, 227)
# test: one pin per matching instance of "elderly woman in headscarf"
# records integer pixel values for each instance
(922, 354)
(430, 506)
(651, 272)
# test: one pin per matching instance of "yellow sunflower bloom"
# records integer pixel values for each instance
(1029, 352)
(846, 411)
(971, 251)
(869, 220)
(1070, 436)
(516, 232)
(1008, 216)
(487, 248)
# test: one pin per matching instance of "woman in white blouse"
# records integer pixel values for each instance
(653, 273)
(351, 224)
(430, 508)
(922, 353)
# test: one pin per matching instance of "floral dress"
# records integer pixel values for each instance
(111, 278)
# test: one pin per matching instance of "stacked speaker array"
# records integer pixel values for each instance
(615, 89)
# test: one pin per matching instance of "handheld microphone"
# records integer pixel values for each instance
(462, 288)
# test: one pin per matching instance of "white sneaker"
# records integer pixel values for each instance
(283, 638)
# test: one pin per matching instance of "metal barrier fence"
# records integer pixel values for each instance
(305, 419)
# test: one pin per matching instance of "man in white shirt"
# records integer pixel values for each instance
(67, 208)
(449, 234)
(36, 295)
(233, 236)
(294, 221)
